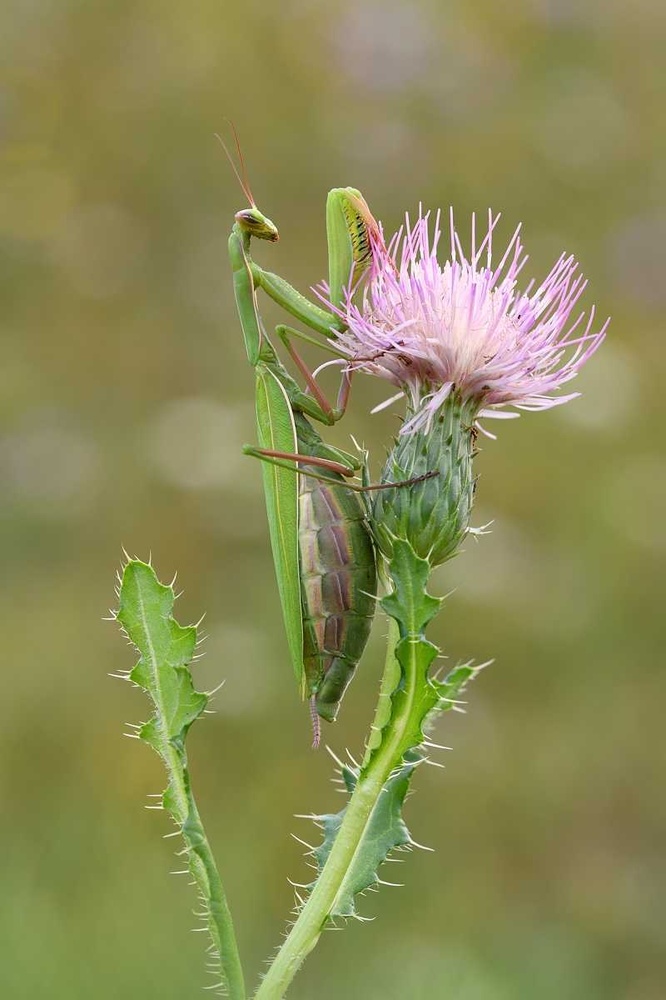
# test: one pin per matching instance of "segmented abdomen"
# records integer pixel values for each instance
(338, 581)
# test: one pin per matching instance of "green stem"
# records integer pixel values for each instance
(183, 808)
(390, 680)
(312, 919)
(204, 870)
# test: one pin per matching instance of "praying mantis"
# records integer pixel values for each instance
(323, 549)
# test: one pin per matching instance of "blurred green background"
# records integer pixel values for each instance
(126, 397)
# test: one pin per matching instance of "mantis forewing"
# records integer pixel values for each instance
(277, 432)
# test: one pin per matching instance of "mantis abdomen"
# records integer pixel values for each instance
(338, 584)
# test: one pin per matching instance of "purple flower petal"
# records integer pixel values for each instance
(464, 326)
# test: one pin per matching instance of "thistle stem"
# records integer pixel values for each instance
(312, 919)
(205, 873)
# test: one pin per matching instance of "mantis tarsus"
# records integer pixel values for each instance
(323, 551)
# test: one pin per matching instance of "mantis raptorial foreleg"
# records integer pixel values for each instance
(325, 412)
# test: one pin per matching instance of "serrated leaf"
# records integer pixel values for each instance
(150, 733)
(169, 798)
(409, 603)
(362, 835)
(416, 700)
(454, 684)
(384, 832)
(165, 648)
(414, 695)
(452, 687)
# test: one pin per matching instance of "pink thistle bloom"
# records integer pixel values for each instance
(464, 327)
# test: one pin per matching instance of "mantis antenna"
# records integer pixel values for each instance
(242, 175)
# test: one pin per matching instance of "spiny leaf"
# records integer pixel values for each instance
(385, 831)
(412, 699)
(416, 699)
(453, 685)
(414, 695)
(166, 648)
(409, 603)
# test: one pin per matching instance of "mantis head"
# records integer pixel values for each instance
(255, 224)
(250, 220)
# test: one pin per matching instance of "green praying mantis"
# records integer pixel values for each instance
(323, 550)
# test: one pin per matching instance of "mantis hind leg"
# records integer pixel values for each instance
(291, 461)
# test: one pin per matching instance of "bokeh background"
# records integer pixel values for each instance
(126, 398)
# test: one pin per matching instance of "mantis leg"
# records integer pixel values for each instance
(291, 461)
(352, 235)
(333, 414)
(260, 350)
(296, 304)
(246, 299)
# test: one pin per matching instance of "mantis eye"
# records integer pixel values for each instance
(257, 225)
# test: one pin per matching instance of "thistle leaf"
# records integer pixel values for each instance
(414, 695)
(166, 648)
(412, 699)
(409, 603)
(384, 832)
(165, 651)
(454, 684)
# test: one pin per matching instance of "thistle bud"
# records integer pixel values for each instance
(431, 514)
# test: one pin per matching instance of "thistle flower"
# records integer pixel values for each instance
(461, 341)
(464, 327)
